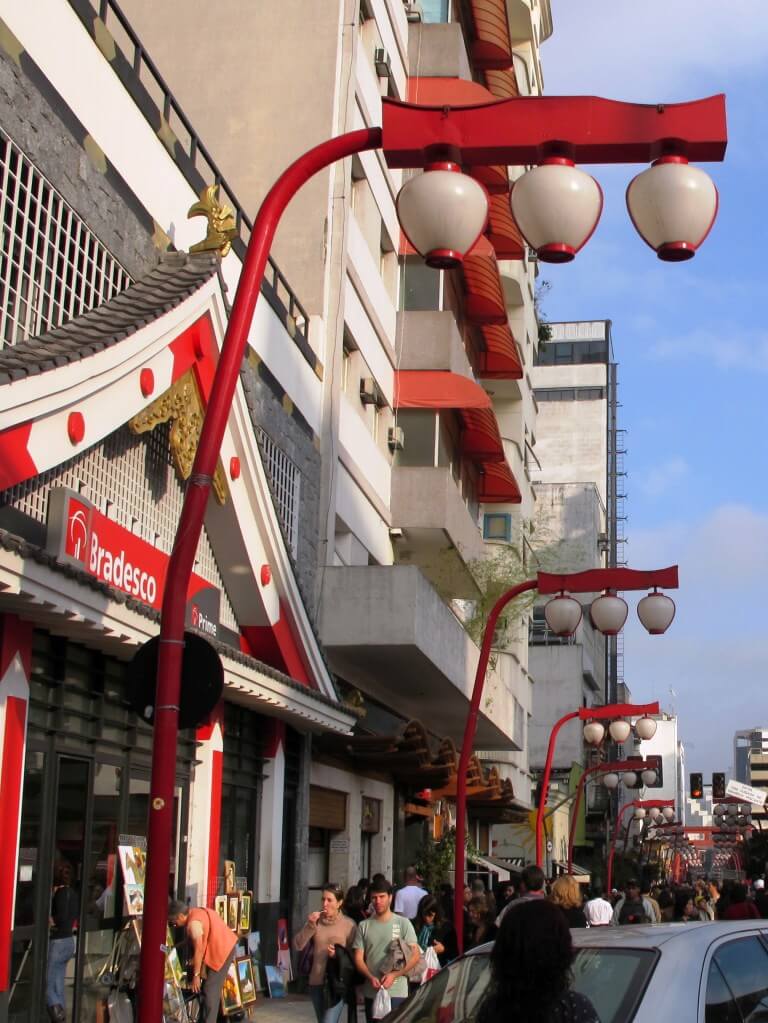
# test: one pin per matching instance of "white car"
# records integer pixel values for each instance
(669, 973)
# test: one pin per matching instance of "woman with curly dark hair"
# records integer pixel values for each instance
(531, 970)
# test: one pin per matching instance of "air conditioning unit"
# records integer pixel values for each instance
(413, 11)
(382, 62)
(395, 438)
(369, 392)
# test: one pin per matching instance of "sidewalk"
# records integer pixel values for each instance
(291, 1009)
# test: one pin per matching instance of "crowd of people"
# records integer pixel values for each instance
(372, 938)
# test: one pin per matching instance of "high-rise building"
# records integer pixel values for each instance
(746, 742)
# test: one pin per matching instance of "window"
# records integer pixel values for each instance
(497, 526)
(744, 968)
(52, 268)
(420, 286)
(720, 1007)
(569, 394)
(435, 11)
(285, 478)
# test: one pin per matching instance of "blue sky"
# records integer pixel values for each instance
(692, 353)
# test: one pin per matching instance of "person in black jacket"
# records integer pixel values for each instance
(433, 930)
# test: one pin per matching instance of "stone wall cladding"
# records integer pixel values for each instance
(268, 413)
(40, 124)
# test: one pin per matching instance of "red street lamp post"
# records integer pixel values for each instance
(614, 767)
(563, 616)
(608, 712)
(644, 804)
(528, 131)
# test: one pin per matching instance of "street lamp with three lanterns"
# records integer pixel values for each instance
(671, 204)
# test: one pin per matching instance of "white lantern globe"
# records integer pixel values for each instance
(645, 727)
(656, 612)
(608, 614)
(720, 809)
(673, 207)
(557, 207)
(619, 730)
(649, 777)
(593, 733)
(611, 780)
(629, 779)
(639, 813)
(563, 614)
(668, 813)
(442, 213)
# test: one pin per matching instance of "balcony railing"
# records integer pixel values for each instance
(143, 81)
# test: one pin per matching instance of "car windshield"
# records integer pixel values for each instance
(612, 978)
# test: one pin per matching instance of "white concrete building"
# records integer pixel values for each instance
(402, 502)
(669, 747)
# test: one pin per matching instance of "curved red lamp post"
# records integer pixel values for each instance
(510, 132)
(592, 581)
(607, 767)
(605, 713)
(646, 804)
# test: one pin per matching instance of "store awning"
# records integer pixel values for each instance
(581, 874)
(502, 873)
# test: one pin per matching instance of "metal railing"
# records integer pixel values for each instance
(192, 156)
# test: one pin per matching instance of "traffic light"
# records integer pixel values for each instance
(697, 785)
(718, 785)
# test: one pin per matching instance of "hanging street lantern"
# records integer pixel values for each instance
(620, 729)
(611, 780)
(593, 733)
(645, 727)
(629, 779)
(648, 777)
(673, 207)
(656, 611)
(608, 613)
(557, 207)
(442, 213)
(563, 614)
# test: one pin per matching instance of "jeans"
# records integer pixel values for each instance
(332, 1015)
(369, 1007)
(60, 951)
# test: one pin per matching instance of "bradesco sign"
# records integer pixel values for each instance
(80, 534)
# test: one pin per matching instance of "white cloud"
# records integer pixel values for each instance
(661, 478)
(630, 50)
(745, 350)
(714, 654)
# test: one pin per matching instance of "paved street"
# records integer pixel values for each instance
(294, 1008)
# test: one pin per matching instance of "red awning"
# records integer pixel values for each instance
(485, 299)
(502, 82)
(501, 358)
(503, 232)
(480, 438)
(498, 485)
(422, 388)
(458, 92)
(492, 47)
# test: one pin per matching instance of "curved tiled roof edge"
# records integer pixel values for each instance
(16, 544)
(166, 286)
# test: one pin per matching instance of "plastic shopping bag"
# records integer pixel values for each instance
(382, 1004)
(433, 964)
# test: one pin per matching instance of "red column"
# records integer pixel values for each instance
(15, 668)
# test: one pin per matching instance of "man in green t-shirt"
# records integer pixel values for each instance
(372, 947)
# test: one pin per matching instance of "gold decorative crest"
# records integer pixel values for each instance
(222, 226)
(182, 404)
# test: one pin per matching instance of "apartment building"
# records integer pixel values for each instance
(747, 742)
(427, 420)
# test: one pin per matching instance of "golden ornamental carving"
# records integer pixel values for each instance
(182, 405)
(222, 226)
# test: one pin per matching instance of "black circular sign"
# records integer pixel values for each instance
(202, 680)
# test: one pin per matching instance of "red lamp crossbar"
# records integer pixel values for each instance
(647, 804)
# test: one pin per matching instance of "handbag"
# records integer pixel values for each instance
(399, 954)
(432, 965)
